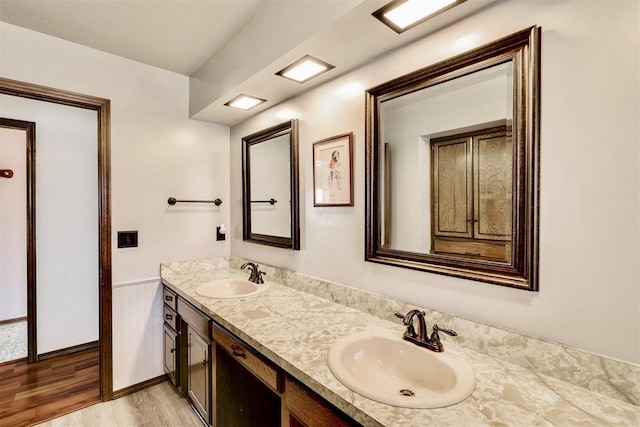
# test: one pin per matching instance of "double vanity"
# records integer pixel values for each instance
(270, 354)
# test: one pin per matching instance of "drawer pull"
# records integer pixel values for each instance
(172, 350)
(204, 362)
(168, 298)
(168, 316)
(238, 351)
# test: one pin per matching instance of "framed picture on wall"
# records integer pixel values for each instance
(333, 171)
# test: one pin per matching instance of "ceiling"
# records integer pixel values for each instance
(153, 32)
(227, 47)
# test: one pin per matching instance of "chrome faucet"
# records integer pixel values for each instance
(256, 274)
(433, 342)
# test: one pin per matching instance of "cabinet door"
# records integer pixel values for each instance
(493, 168)
(171, 354)
(452, 188)
(199, 374)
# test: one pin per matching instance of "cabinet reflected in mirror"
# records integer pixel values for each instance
(452, 165)
(471, 194)
(270, 186)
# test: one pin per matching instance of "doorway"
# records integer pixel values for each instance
(101, 107)
(17, 249)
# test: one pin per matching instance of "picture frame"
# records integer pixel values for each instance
(333, 171)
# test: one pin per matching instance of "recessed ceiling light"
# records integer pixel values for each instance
(400, 15)
(304, 69)
(244, 102)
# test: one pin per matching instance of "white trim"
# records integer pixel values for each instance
(136, 283)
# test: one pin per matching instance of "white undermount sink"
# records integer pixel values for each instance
(228, 288)
(382, 366)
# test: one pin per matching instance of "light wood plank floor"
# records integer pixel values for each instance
(160, 405)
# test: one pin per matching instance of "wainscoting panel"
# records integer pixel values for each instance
(137, 332)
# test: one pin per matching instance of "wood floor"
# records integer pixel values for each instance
(160, 405)
(31, 393)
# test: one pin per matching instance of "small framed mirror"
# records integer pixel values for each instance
(270, 186)
(452, 165)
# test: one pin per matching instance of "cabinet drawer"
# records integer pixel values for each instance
(495, 251)
(169, 298)
(240, 351)
(195, 318)
(310, 409)
(170, 317)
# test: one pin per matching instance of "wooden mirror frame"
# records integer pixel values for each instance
(293, 242)
(523, 50)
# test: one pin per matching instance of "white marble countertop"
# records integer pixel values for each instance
(295, 330)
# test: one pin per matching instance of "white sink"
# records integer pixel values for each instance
(382, 366)
(228, 288)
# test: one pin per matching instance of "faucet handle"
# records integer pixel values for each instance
(259, 274)
(435, 337)
(408, 322)
(449, 332)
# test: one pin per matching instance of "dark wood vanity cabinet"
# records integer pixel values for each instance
(228, 382)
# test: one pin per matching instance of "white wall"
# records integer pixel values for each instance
(13, 224)
(589, 197)
(156, 152)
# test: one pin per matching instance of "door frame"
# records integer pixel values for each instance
(103, 108)
(30, 130)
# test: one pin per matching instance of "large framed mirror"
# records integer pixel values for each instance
(270, 186)
(452, 165)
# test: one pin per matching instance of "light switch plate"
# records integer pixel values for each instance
(128, 239)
